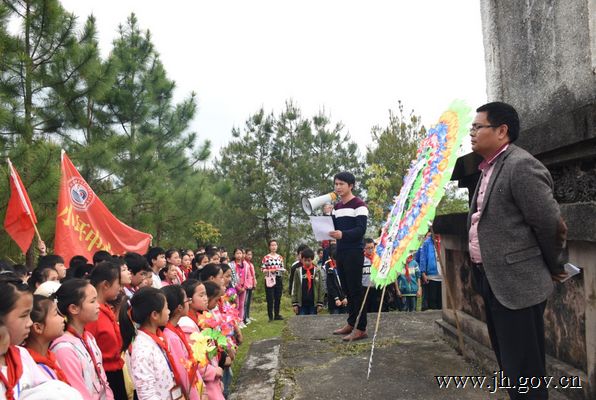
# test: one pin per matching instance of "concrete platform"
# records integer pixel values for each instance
(309, 363)
(314, 364)
(408, 356)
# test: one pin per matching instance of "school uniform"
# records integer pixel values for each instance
(83, 370)
(30, 377)
(181, 357)
(208, 373)
(151, 372)
(307, 293)
(106, 332)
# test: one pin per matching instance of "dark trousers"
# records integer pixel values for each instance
(349, 266)
(307, 310)
(373, 300)
(116, 381)
(273, 295)
(409, 303)
(517, 337)
(247, 304)
(431, 296)
(337, 310)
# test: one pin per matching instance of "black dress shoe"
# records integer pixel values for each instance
(279, 318)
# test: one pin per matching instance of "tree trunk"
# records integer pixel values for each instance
(28, 126)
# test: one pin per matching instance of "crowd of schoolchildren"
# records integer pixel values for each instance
(164, 325)
(314, 281)
(135, 326)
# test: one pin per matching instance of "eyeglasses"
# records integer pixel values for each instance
(476, 128)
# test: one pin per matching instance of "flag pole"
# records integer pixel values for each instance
(35, 227)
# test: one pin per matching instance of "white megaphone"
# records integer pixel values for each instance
(310, 204)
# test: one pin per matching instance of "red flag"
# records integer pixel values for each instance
(84, 224)
(20, 217)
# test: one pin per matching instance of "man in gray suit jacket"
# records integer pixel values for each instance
(515, 240)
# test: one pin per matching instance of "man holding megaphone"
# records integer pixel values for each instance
(350, 216)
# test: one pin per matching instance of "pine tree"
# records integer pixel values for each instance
(248, 196)
(36, 62)
(270, 165)
(292, 165)
(159, 155)
(81, 102)
(388, 159)
(332, 152)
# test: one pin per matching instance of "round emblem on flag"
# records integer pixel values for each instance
(81, 195)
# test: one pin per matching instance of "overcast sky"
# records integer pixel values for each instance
(355, 59)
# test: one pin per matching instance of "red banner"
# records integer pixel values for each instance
(84, 224)
(20, 217)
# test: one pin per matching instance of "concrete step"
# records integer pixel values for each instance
(258, 374)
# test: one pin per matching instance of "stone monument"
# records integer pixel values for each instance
(541, 58)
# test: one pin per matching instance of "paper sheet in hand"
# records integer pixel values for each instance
(321, 226)
(571, 270)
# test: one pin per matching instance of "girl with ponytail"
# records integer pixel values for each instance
(151, 360)
(76, 351)
(48, 325)
(189, 324)
(187, 366)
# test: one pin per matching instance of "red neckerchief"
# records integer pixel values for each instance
(370, 258)
(50, 362)
(105, 309)
(309, 275)
(161, 342)
(14, 367)
(83, 339)
(408, 277)
(192, 314)
(192, 371)
(331, 264)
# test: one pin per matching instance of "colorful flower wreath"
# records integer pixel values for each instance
(422, 189)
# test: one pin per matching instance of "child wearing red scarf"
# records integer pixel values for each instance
(105, 277)
(48, 325)
(307, 291)
(408, 284)
(184, 361)
(18, 371)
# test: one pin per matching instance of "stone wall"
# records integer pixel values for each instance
(541, 58)
(540, 54)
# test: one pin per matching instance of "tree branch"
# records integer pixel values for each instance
(43, 21)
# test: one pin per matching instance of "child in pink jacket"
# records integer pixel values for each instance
(251, 283)
(239, 267)
(76, 351)
(186, 365)
(189, 324)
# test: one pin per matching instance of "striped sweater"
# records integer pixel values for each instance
(350, 218)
